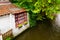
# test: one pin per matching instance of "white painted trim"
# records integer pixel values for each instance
(1, 37)
(5, 3)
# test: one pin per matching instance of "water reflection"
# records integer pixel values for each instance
(56, 23)
(43, 31)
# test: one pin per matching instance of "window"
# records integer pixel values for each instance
(20, 19)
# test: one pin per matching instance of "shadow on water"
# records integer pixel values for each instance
(42, 31)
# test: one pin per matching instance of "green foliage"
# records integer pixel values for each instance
(39, 8)
(8, 38)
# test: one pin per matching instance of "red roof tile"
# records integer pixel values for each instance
(7, 9)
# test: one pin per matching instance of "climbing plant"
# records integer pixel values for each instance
(38, 9)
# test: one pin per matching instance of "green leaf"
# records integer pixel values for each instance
(38, 7)
(58, 1)
(36, 11)
(29, 0)
(49, 1)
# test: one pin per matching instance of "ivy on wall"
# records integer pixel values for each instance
(39, 8)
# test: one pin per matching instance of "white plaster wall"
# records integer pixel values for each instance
(17, 31)
(1, 37)
(4, 23)
(7, 22)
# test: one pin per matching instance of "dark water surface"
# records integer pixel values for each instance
(43, 31)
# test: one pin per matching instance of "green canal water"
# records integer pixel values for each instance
(42, 31)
